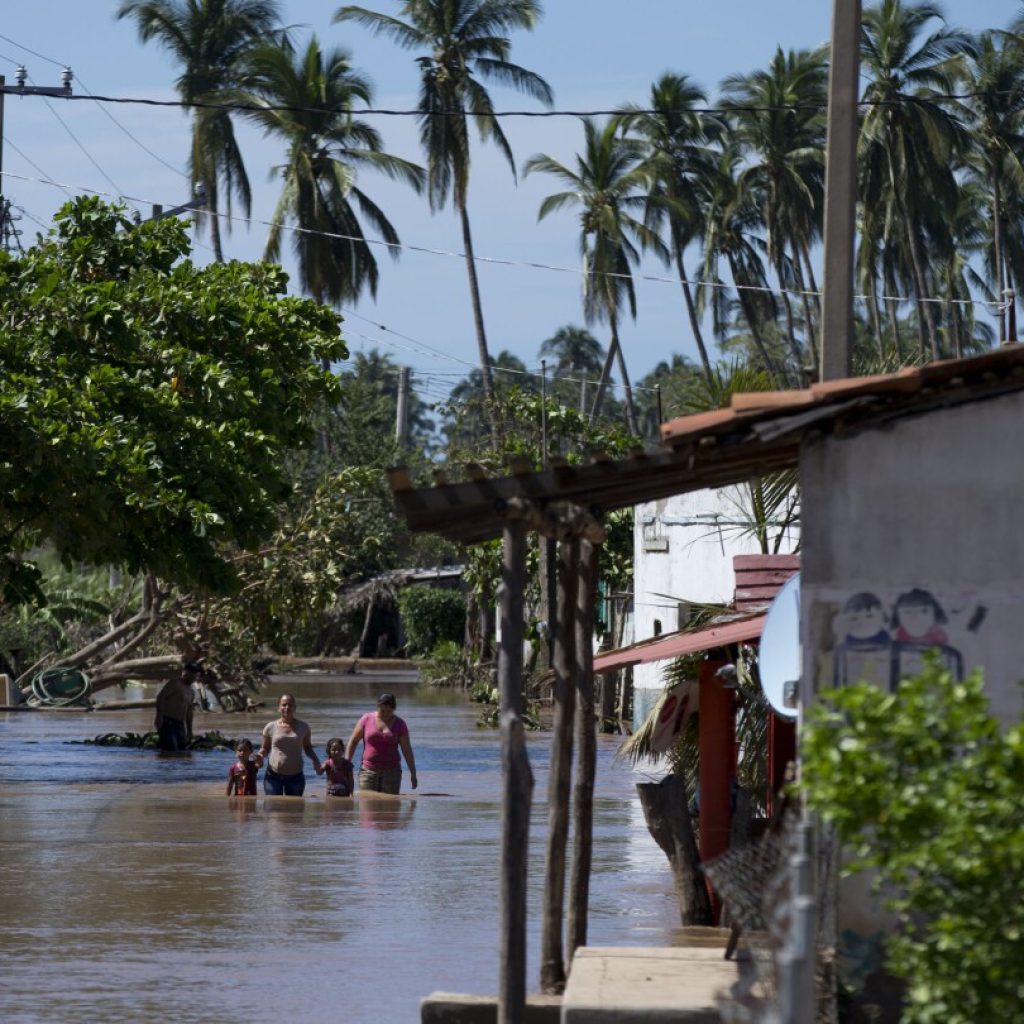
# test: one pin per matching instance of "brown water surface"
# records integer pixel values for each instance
(132, 889)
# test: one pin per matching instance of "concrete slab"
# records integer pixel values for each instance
(634, 985)
(457, 1008)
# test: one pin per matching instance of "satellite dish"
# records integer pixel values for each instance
(779, 658)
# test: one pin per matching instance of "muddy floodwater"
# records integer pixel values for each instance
(131, 889)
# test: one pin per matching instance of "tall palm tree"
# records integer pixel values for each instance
(908, 129)
(993, 79)
(306, 101)
(610, 181)
(732, 220)
(677, 138)
(779, 122)
(209, 39)
(465, 43)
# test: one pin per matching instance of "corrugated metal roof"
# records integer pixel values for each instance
(674, 645)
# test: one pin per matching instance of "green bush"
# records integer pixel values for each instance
(924, 787)
(430, 617)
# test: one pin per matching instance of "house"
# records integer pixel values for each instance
(911, 485)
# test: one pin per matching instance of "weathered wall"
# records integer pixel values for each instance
(912, 540)
(923, 516)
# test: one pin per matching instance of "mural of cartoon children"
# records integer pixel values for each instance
(918, 618)
(863, 650)
(865, 621)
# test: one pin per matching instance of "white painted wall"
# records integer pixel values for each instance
(683, 550)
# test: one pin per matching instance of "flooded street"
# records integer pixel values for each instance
(133, 889)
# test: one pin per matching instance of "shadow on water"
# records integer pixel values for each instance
(133, 888)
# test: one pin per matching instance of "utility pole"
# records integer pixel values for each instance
(21, 89)
(402, 416)
(197, 203)
(840, 191)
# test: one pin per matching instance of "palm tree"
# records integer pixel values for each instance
(993, 79)
(907, 130)
(306, 100)
(676, 137)
(577, 355)
(779, 122)
(209, 39)
(465, 42)
(610, 180)
(732, 219)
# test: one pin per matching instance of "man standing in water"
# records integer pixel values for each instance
(174, 710)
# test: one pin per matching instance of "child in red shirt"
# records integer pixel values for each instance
(242, 774)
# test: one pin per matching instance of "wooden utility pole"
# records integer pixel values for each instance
(841, 191)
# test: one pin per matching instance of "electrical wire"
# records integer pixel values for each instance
(731, 108)
(88, 92)
(991, 304)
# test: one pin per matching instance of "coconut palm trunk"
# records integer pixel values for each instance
(691, 310)
(478, 314)
(997, 247)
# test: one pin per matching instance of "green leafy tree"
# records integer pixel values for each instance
(307, 101)
(464, 43)
(209, 39)
(431, 617)
(146, 404)
(923, 786)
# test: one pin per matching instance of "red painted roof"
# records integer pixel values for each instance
(674, 645)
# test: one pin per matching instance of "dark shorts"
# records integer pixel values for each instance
(283, 785)
(173, 734)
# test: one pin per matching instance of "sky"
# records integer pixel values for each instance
(595, 54)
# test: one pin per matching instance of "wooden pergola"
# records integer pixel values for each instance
(758, 434)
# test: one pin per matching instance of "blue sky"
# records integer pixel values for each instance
(596, 54)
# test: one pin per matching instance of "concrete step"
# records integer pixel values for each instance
(456, 1008)
(636, 985)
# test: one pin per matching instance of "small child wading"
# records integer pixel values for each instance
(338, 769)
(242, 774)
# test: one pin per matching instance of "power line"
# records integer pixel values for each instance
(496, 261)
(731, 108)
(88, 92)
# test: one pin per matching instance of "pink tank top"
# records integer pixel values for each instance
(380, 746)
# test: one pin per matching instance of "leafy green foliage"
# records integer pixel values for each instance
(431, 616)
(146, 404)
(924, 786)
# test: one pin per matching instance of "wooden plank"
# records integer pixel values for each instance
(759, 562)
(774, 577)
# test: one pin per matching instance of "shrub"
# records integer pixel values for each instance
(430, 617)
(924, 788)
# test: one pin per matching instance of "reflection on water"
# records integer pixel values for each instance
(131, 887)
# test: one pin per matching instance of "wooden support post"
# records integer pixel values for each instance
(586, 748)
(552, 966)
(515, 841)
(717, 740)
(517, 780)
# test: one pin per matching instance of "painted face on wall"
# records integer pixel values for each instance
(865, 623)
(917, 619)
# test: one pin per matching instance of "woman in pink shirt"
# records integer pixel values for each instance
(382, 734)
